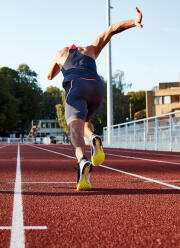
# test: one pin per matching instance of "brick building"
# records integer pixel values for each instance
(164, 100)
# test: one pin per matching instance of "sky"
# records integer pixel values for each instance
(32, 32)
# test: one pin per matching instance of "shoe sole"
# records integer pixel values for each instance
(83, 185)
(99, 155)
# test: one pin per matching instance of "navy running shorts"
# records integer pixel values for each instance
(83, 97)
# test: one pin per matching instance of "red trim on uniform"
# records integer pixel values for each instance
(73, 47)
(69, 90)
(88, 78)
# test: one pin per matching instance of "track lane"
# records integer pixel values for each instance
(8, 159)
(38, 197)
(162, 170)
(173, 157)
(120, 211)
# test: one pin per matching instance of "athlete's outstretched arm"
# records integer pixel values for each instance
(54, 70)
(116, 28)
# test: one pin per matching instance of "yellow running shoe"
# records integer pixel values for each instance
(97, 153)
(84, 169)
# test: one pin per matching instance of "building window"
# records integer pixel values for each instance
(48, 125)
(166, 100)
(175, 99)
(157, 100)
(52, 125)
(43, 125)
(57, 125)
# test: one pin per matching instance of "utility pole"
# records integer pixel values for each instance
(109, 79)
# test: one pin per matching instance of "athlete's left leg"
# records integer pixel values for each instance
(97, 153)
(77, 137)
(84, 166)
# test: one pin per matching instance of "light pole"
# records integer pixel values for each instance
(130, 108)
(109, 80)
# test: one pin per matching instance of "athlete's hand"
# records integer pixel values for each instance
(138, 18)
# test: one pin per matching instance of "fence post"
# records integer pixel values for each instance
(112, 136)
(170, 132)
(119, 136)
(156, 134)
(134, 135)
(145, 137)
(126, 137)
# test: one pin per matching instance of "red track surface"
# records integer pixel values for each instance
(120, 211)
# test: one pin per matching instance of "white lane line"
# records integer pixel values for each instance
(136, 152)
(167, 181)
(127, 173)
(59, 153)
(145, 159)
(3, 146)
(138, 176)
(17, 234)
(5, 227)
(158, 153)
(141, 153)
(64, 148)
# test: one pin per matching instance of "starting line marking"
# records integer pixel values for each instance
(127, 173)
(49, 182)
(25, 228)
(33, 182)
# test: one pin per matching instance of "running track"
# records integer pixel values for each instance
(135, 200)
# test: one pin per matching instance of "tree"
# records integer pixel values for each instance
(30, 95)
(22, 100)
(119, 82)
(8, 103)
(51, 97)
(120, 100)
(137, 101)
(60, 108)
(27, 75)
(120, 106)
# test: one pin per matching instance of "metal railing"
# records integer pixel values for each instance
(10, 140)
(153, 133)
(19, 140)
(37, 140)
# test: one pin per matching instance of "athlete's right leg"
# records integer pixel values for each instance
(77, 137)
(88, 129)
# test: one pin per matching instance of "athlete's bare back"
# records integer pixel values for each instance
(63, 54)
